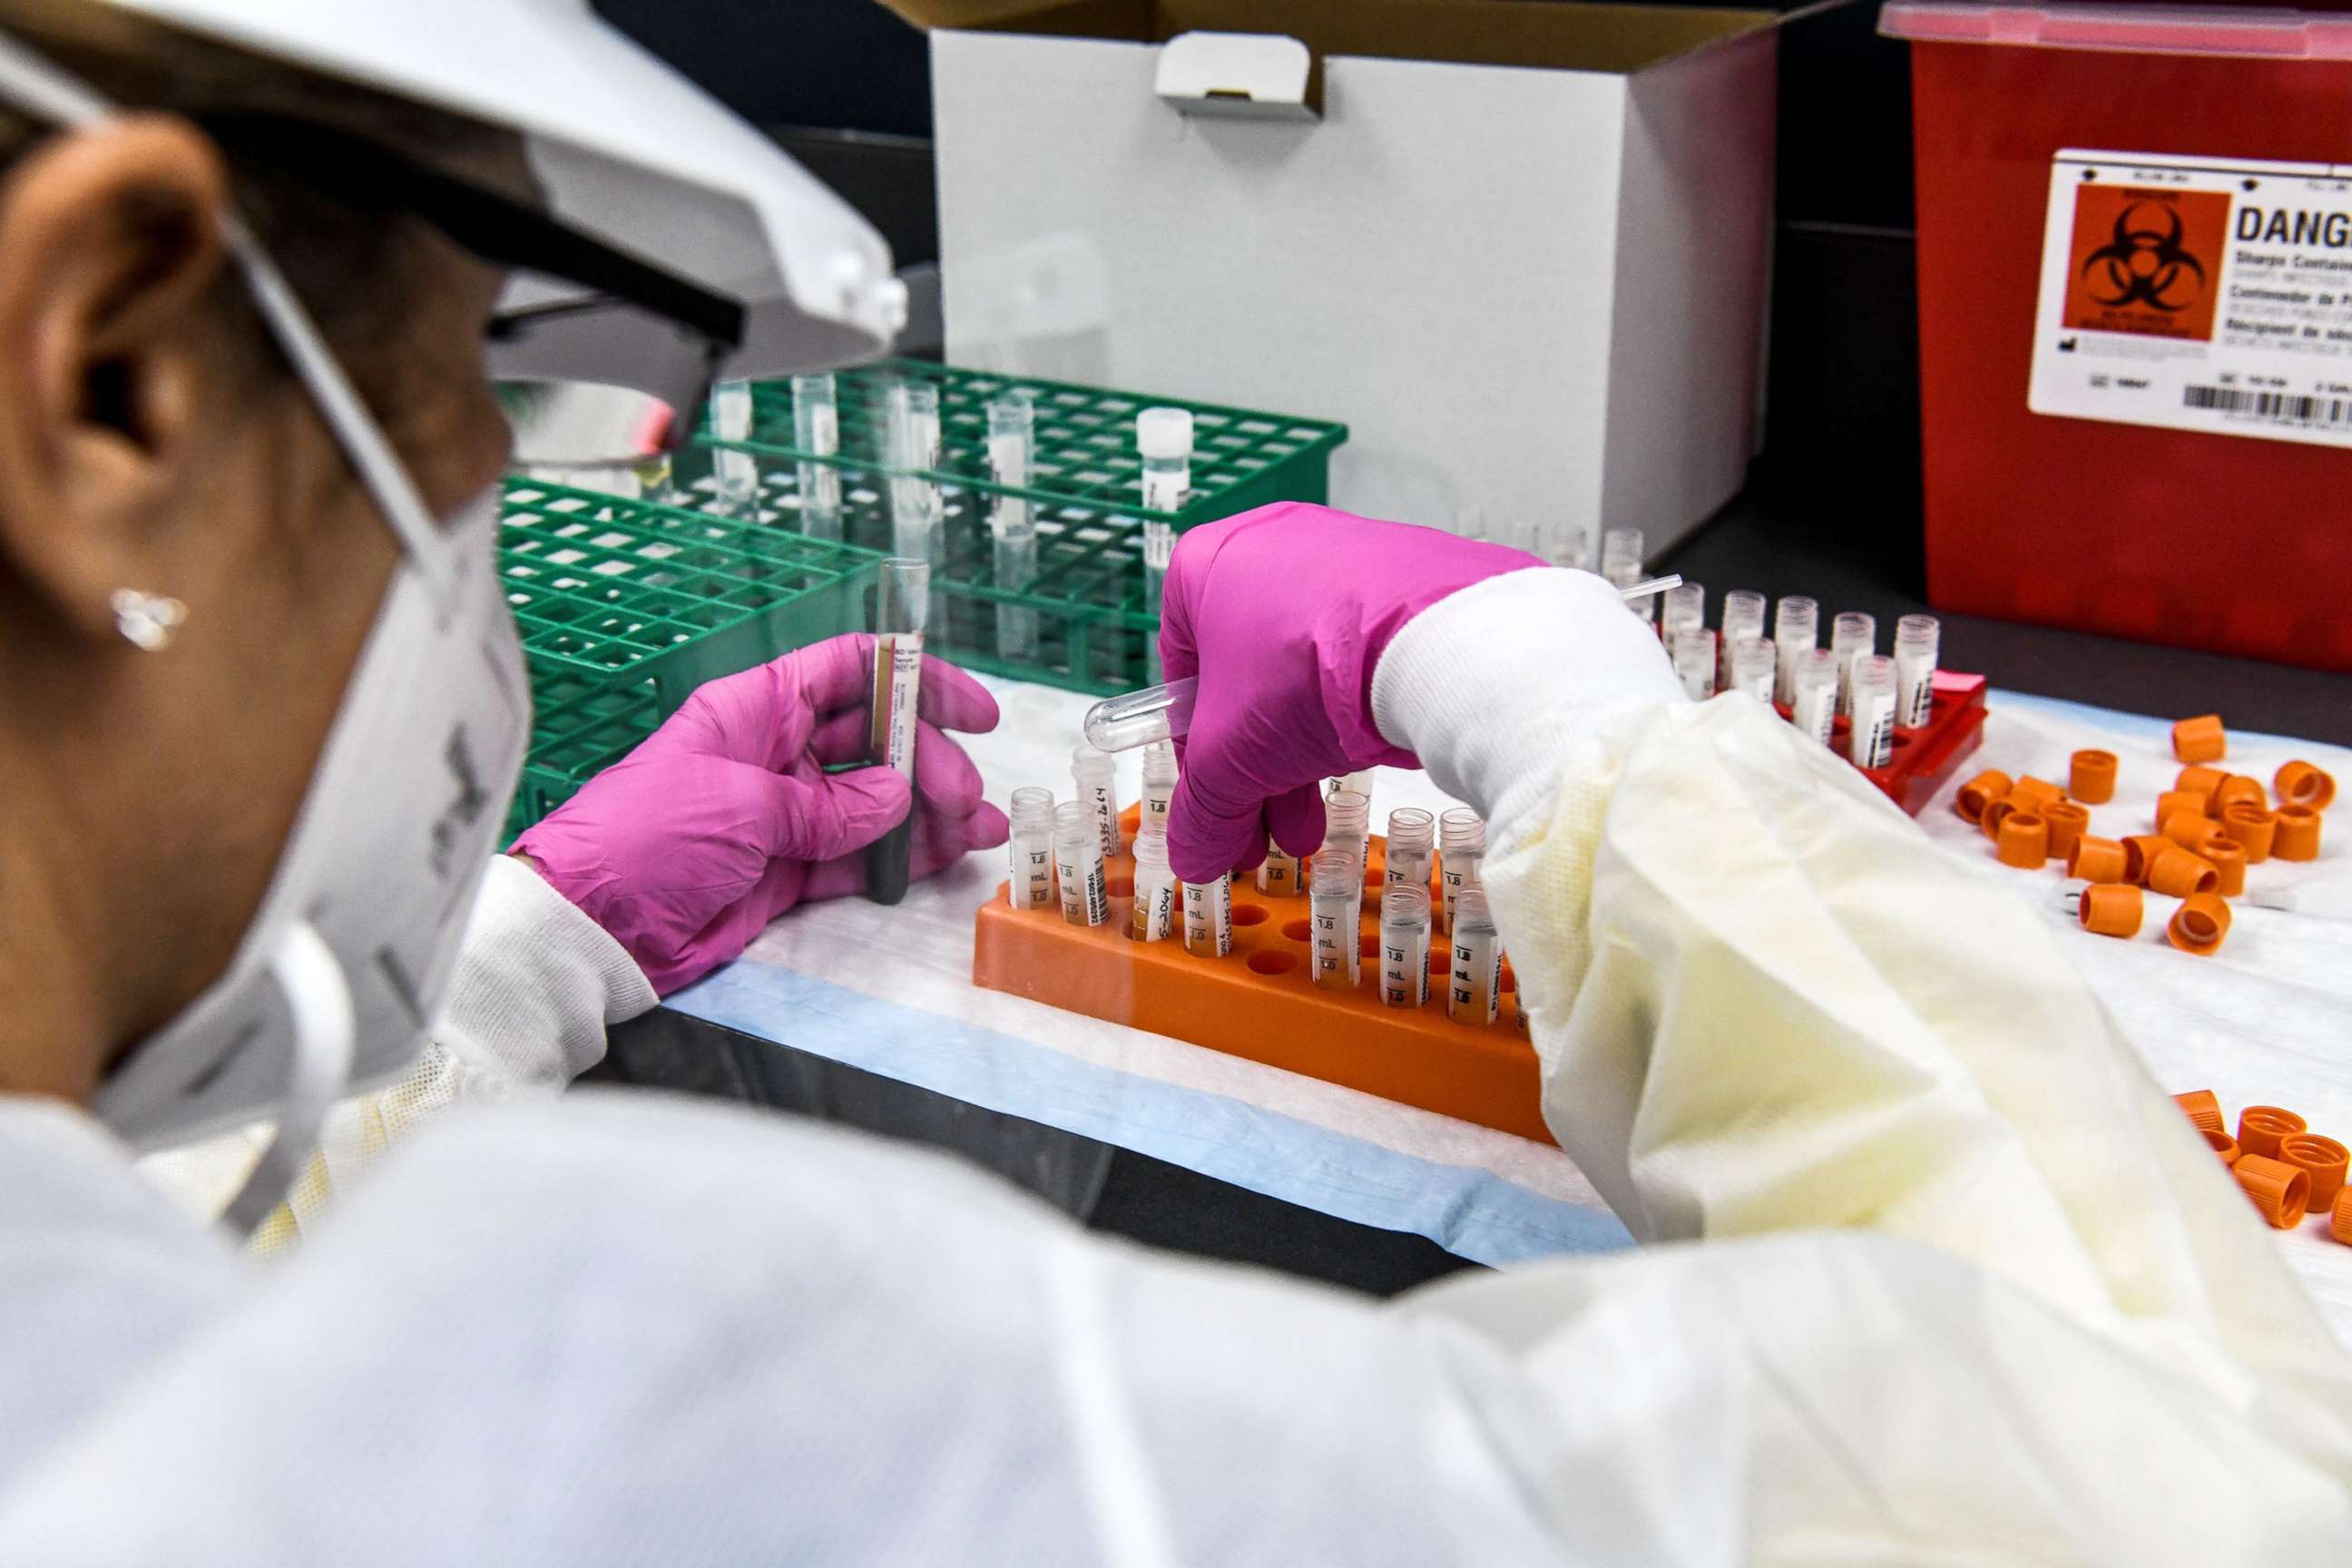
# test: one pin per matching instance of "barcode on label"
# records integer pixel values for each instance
(2287, 408)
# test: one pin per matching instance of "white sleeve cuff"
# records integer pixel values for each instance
(1496, 687)
(537, 982)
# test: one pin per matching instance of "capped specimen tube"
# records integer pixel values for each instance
(1871, 741)
(1852, 636)
(901, 605)
(1209, 916)
(1097, 777)
(1404, 946)
(1814, 707)
(1475, 981)
(1461, 850)
(1012, 531)
(1796, 628)
(1693, 649)
(737, 475)
(816, 431)
(1754, 666)
(1156, 892)
(1682, 606)
(1031, 847)
(1412, 840)
(1915, 641)
(1164, 437)
(1160, 775)
(1078, 864)
(1743, 617)
(1335, 892)
(1158, 549)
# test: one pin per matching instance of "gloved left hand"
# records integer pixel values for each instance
(724, 818)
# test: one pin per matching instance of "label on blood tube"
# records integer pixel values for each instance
(1871, 742)
(1915, 690)
(1815, 711)
(1156, 797)
(1455, 873)
(1155, 912)
(1209, 916)
(1404, 967)
(1277, 873)
(1035, 891)
(1476, 980)
(1337, 951)
(1102, 799)
(1085, 892)
(898, 690)
(2191, 293)
(1163, 491)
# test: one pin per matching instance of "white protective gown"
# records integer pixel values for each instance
(1939, 1274)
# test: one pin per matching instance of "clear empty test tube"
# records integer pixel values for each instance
(1755, 665)
(1158, 549)
(1871, 741)
(1404, 946)
(1160, 775)
(1164, 437)
(902, 607)
(1348, 823)
(816, 431)
(1474, 992)
(1851, 637)
(1681, 608)
(1743, 618)
(1693, 651)
(1412, 844)
(1156, 891)
(1796, 630)
(1916, 640)
(1031, 848)
(1335, 892)
(1095, 773)
(1012, 441)
(912, 444)
(1621, 563)
(1461, 850)
(1813, 708)
(1209, 916)
(1078, 864)
(736, 473)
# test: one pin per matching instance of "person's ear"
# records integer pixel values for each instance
(110, 237)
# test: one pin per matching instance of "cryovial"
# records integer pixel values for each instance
(1461, 848)
(1915, 639)
(1097, 776)
(738, 474)
(1753, 668)
(902, 606)
(816, 431)
(1404, 946)
(1012, 439)
(1852, 636)
(1620, 562)
(1164, 436)
(1078, 864)
(1031, 847)
(1813, 708)
(1160, 775)
(1693, 650)
(911, 443)
(1348, 822)
(1280, 873)
(1570, 545)
(1684, 605)
(1158, 549)
(1475, 984)
(1871, 741)
(1209, 916)
(1743, 618)
(1154, 919)
(1413, 839)
(1361, 780)
(1796, 627)
(1334, 889)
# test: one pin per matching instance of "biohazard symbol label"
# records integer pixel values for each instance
(2146, 261)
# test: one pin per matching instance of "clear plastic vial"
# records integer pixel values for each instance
(1412, 843)
(736, 473)
(1569, 544)
(1754, 666)
(1335, 892)
(1693, 649)
(1158, 549)
(1916, 644)
(1209, 916)
(1348, 823)
(1796, 630)
(1154, 918)
(1012, 531)
(1078, 864)
(1813, 708)
(1681, 608)
(1164, 436)
(1031, 848)
(1871, 741)
(1461, 852)
(1160, 775)
(1474, 992)
(1404, 946)
(1621, 563)
(1852, 636)
(1097, 777)
(816, 431)
(1743, 618)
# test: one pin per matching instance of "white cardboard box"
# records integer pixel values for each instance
(1535, 291)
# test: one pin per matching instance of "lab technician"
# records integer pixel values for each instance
(1937, 1273)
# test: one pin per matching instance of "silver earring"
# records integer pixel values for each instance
(147, 621)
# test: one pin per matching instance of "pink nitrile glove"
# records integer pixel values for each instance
(725, 817)
(1283, 613)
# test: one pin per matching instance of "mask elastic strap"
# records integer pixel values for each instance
(321, 1001)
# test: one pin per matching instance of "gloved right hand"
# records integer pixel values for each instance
(1283, 613)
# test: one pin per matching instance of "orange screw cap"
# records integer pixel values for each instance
(2193, 830)
(2204, 781)
(2200, 740)
(2339, 1225)
(2237, 790)
(2198, 925)
(2263, 1128)
(2024, 840)
(2173, 802)
(2297, 838)
(2202, 1106)
(2252, 829)
(2138, 850)
(2067, 821)
(2300, 783)
(2178, 873)
(2096, 861)
(2228, 857)
(2281, 1193)
(2090, 777)
(2030, 791)
(1993, 814)
(2112, 908)
(1981, 792)
(2324, 1160)
(2222, 1144)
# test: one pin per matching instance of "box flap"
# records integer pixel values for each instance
(1258, 76)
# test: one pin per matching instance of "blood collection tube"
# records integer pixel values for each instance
(1475, 988)
(1154, 919)
(1693, 650)
(1461, 855)
(1031, 847)
(1871, 741)
(1160, 775)
(1796, 630)
(1164, 436)
(1621, 563)
(1209, 916)
(737, 475)
(901, 603)
(1851, 637)
(1158, 549)
(1335, 898)
(1413, 839)
(1097, 777)
(1915, 639)
(816, 431)
(1078, 864)
(1682, 606)
(1813, 709)
(1743, 617)
(1754, 668)
(1012, 531)
(1348, 822)
(1404, 946)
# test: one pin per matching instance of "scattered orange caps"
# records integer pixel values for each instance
(2096, 859)
(2067, 821)
(2091, 776)
(2339, 1224)
(2193, 830)
(2113, 909)
(2203, 780)
(2222, 1144)
(2227, 857)
(2175, 803)
(2202, 1106)
(2297, 838)
(1993, 813)
(2253, 828)
(2030, 791)
(2279, 1190)
(2324, 1160)
(2179, 873)
(1981, 792)
(2263, 1128)
(2024, 840)
(2200, 925)
(2200, 740)
(2238, 790)
(2139, 850)
(2300, 783)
